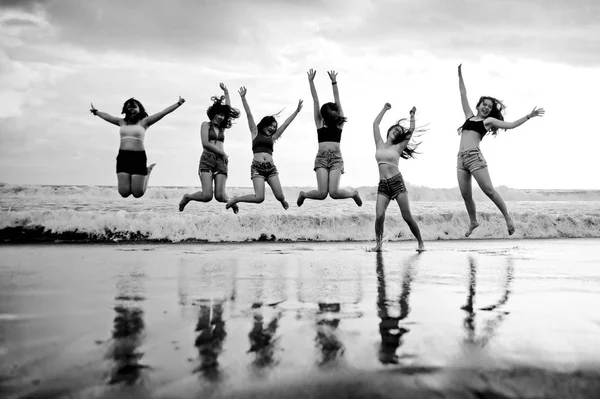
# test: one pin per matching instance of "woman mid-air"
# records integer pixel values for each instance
(132, 172)
(263, 169)
(214, 161)
(391, 184)
(329, 164)
(470, 160)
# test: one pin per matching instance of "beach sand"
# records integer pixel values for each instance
(490, 318)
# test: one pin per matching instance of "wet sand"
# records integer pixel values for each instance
(514, 318)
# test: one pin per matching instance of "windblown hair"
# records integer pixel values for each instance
(410, 149)
(497, 109)
(265, 122)
(330, 112)
(140, 115)
(220, 107)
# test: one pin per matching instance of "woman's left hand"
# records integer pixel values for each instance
(413, 110)
(223, 87)
(180, 101)
(333, 76)
(537, 112)
(299, 106)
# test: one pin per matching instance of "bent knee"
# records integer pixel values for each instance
(124, 193)
(335, 194)
(490, 192)
(138, 194)
(221, 197)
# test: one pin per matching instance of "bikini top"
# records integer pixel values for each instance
(262, 143)
(213, 136)
(476, 126)
(135, 132)
(387, 156)
(327, 133)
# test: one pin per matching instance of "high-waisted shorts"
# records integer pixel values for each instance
(132, 162)
(266, 170)
(391, 187)
(470, 160)
(329, 160)
(213, 163)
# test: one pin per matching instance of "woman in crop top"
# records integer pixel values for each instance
(329, 164)
(214, 161)
(391, 184)
(132, 172)
(470, 160)
(263, 169)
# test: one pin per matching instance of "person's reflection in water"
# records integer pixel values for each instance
(211, 333)
(491, 325)
(389, 327)
(263, 339)
(330, 347)
(128, 332)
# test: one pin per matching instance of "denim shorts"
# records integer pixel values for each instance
(132, 162)
(391, 187)
(470, 160)
(213, 163)
(266, 170)
(329, 160)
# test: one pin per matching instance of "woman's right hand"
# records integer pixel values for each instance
(460, 70)
(93, 110)
(387, 106)
(311, 74)
(243, 91)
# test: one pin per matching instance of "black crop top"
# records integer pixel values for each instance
(262, 143)
(476, 126)
(213, 136)
(327, 133)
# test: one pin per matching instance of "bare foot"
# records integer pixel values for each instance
(285, 204)
(511, 227)
(421, 247)
(472, 227)
(149, 169)
(184, 201)
(376, 248)
(235, 208)
(230, 204)
(356, 198)
(300, 199)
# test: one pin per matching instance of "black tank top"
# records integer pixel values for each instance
(262, 143)
(327, 133)
(476, 126)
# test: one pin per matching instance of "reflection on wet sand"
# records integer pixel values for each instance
(389, 326)
(331, 348)
(210, 336)
(491, 325)
(263, 339)
(128, 331)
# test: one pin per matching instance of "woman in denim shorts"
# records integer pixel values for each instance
(263, 169)
(391, 185)
(470, 160)
(214, 161)
(329, 164)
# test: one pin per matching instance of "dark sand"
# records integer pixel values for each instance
(468, 319)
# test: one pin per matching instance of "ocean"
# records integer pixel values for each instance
(99, 214)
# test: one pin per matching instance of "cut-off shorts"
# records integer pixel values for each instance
(470, 160)
(266, 170)
(213, 163)
(132, 162)
(329, 160)
(391, 187)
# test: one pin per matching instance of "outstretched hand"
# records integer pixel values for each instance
(537, 112)
(332, 75)
(180, 101)
(311, 74)
(242, 91)
(223, 87)
(93, 110)
(299, 106)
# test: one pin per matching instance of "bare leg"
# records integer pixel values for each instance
(464, 183)
(148, 176)
(278, 191)
(124, 184)
(220, 194)
(404, 205)
(256, 198)
(482, 176)
(205, 195)
(380, 208)
(334, 188)
(322, 188)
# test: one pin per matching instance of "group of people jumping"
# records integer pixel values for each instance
(133, 172)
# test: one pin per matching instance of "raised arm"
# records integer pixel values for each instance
(313, 91)
(207, 144)
(498, 124)
(287, 122)
(251, 123)
(463, 94)
(336, 93)
(109, 118)
(377, 122)
(411, 129)
(226, 93)
(152, 119)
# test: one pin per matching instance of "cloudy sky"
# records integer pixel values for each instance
(57, 56)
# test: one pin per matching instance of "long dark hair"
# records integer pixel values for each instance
(410, 150)
(264, 122)
(220, 107)
(140, 115)
(330, 112)
(497, 109)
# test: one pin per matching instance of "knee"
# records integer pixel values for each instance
(137, 194)
(380, 219)
(124, 193)
(221, 197)
(280, 197)
(489, 191)
(321, 195)
(466, 196)
(407, 216)
(335, 194)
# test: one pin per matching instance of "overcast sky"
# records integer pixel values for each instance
(57, 56)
